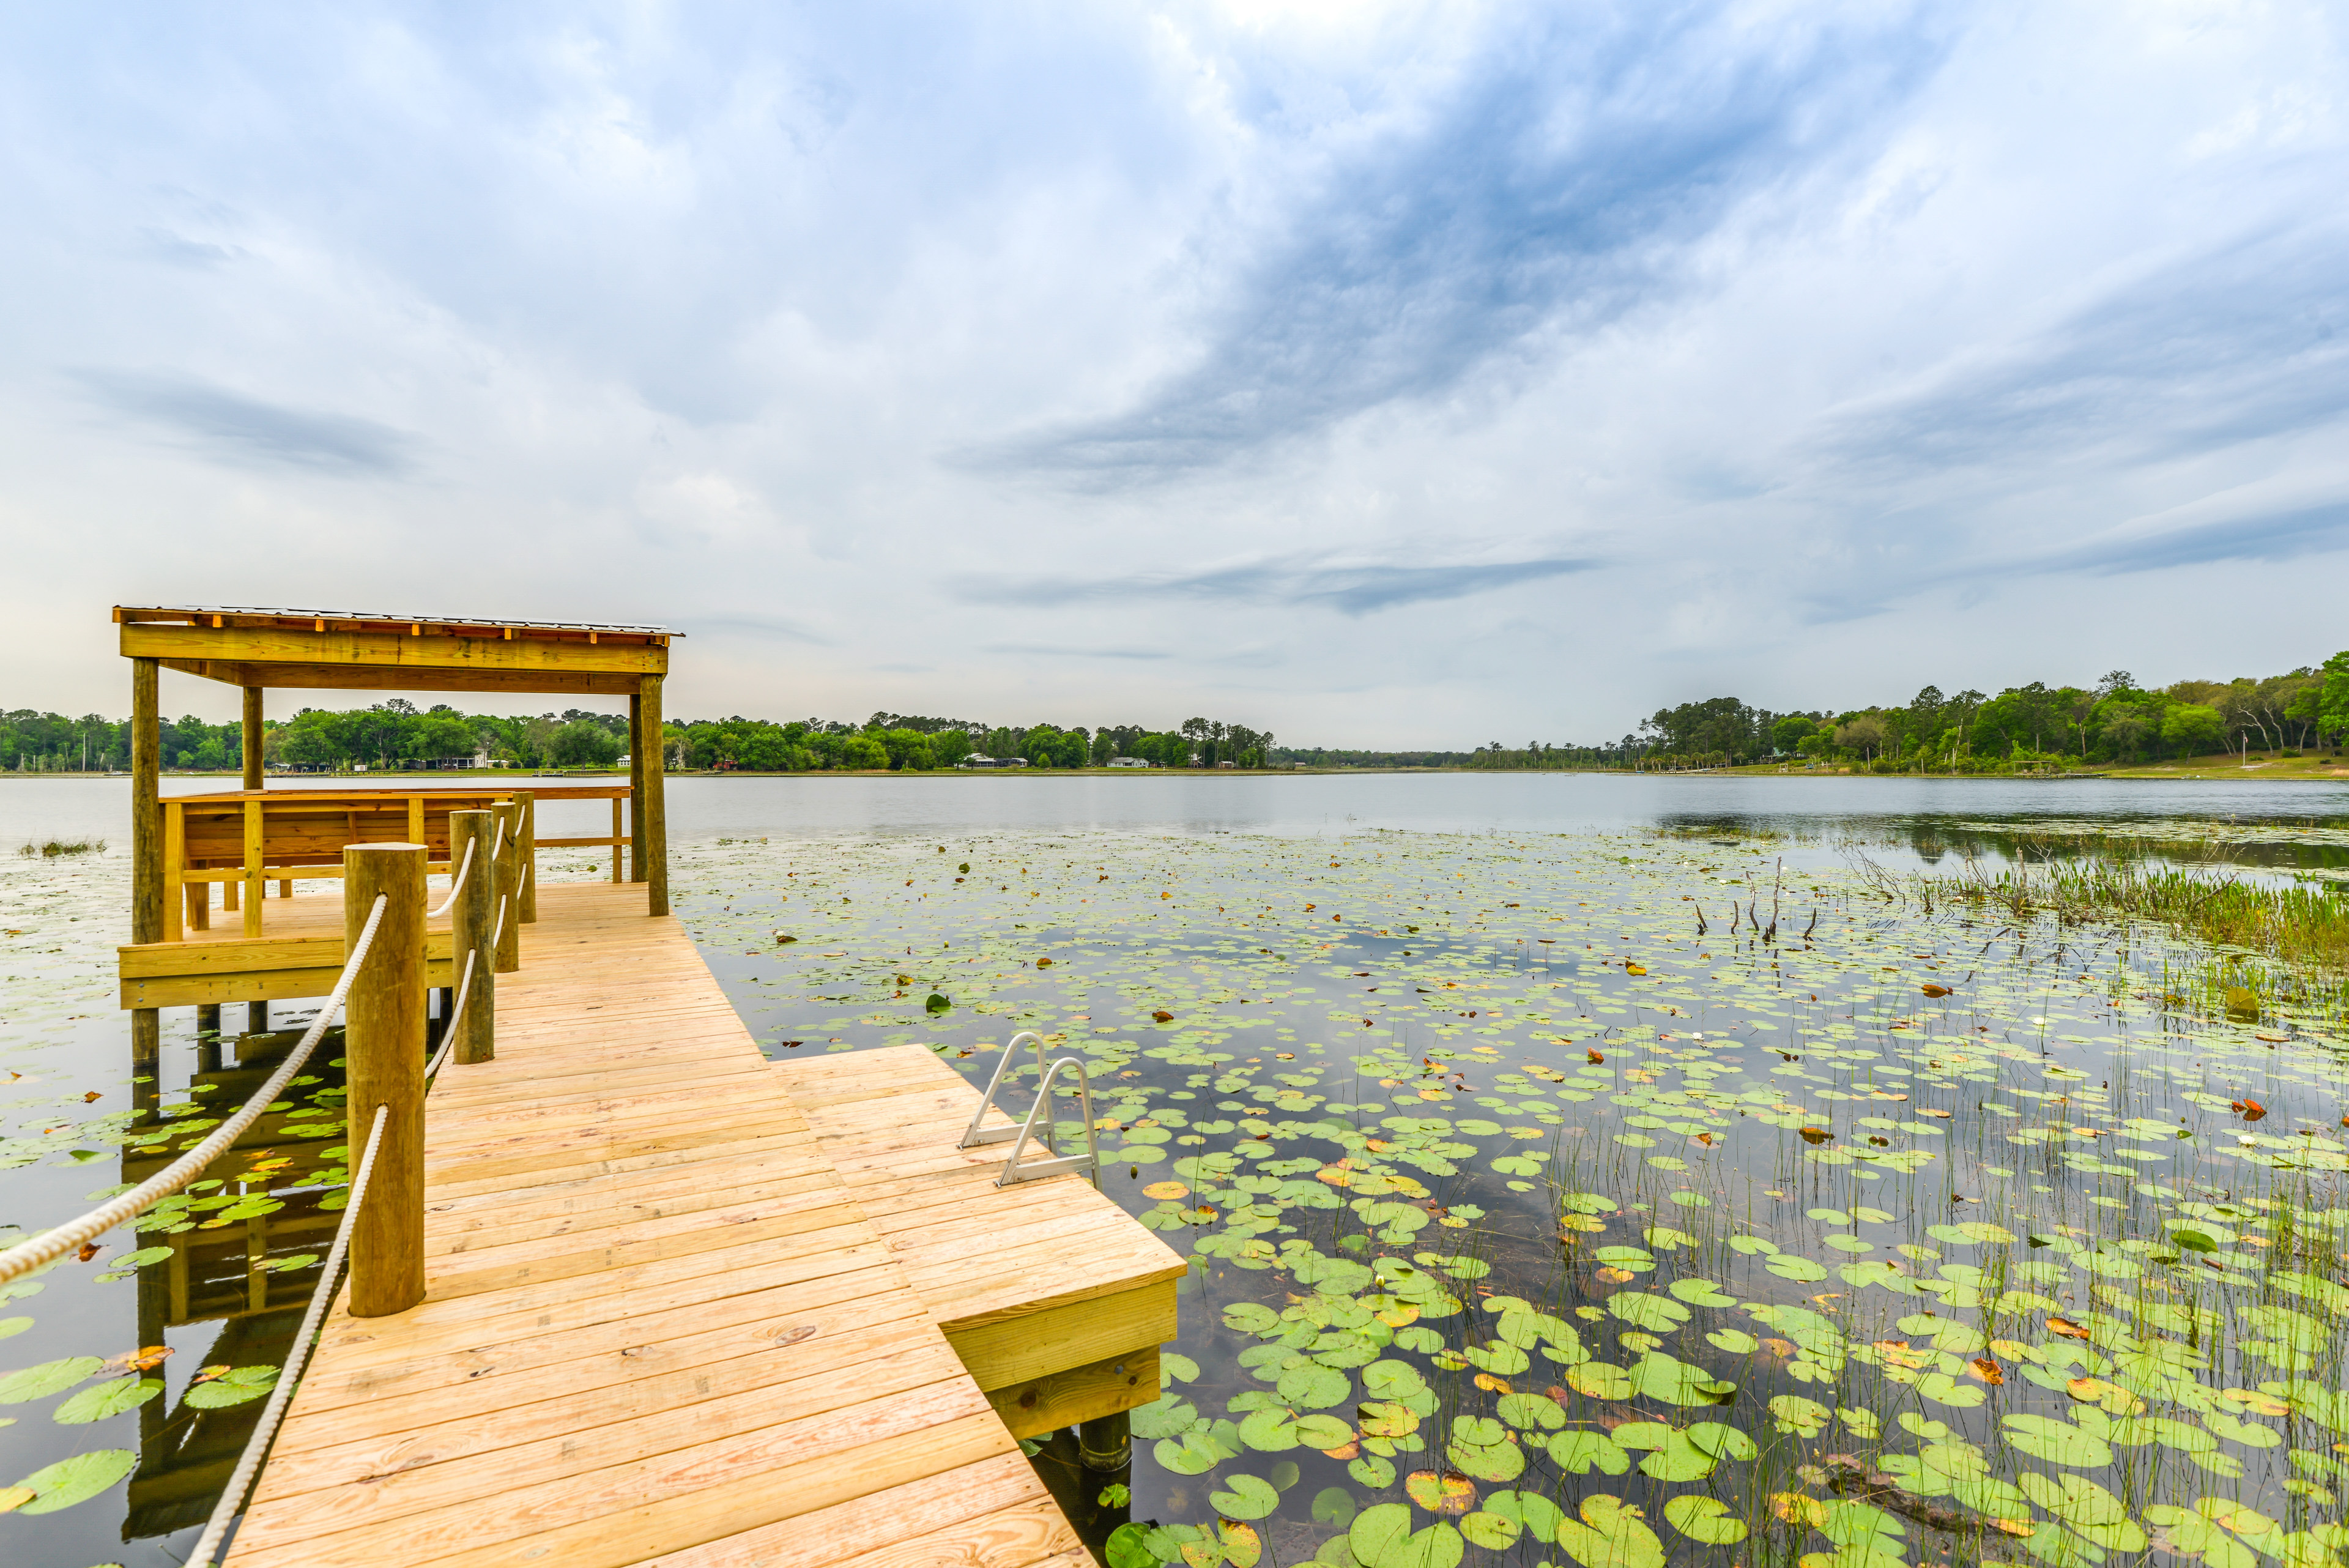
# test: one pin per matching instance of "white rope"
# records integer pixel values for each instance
(502, 922)
(458, 885)
(50, 1245)
(264, 1432)
(455, 1011)
(500, 842)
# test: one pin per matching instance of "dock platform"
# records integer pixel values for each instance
(687, 1307)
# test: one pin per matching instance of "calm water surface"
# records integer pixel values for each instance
(1386, 1126)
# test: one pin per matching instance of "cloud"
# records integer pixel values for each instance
(179, 251)
(1354, 589)
(236, 429)
(1047, 651)
(758, 625)
(2270, 537)
(2245, 339)
(1560, 187)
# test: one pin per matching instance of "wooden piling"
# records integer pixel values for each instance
(252, 739)
(529, 855)
(636, 786)
(146, 846)
(651, 803)
(505, 925)
(470, 921)
(383, 1049)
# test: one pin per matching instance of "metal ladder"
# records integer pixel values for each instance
(975, 1136)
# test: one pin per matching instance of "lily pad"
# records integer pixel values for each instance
(108, 1399)
(1610, 1534)
(77, 1480)
(1244, 1497)
(1704, 1519)
(1381, 1537)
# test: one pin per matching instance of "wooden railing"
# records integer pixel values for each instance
(243, 840)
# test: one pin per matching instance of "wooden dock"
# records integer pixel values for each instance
(685, 1307)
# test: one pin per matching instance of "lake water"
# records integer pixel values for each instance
(1512, 1241)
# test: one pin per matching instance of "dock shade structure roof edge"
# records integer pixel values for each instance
(254, 647)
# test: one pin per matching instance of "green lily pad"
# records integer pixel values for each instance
(1244, 1497)
(1580, 1452)
(2058, 1442)
(1704, 1519)
(1532, 1512)
(1657, 1314)
(1381, 1537)
(1483, 1448)
(1610, 1534)
(77, 1480)
(50, 1378)
(108, 1399)
(1333, 1505)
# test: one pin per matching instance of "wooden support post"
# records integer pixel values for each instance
(636, 786)
(528, 856)
(200, 900)
(255, 886)
(175, 858)
(415, 821)
(470, 921)
(251, 742)
(208, 1020)
(650, 803)
(146, 849)
(505, 927)
(383, 1047)
(619, 872)
(1106, 1443)
(229, 894)
(146, 816)
(256, 1018)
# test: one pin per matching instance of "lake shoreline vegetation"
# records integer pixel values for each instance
(2295, 721)
(2030, 729)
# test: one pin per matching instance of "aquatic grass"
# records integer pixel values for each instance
(53, 847)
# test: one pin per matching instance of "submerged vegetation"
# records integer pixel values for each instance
(1541, 1206)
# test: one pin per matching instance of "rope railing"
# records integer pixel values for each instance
(455, 1011)
(500, 932)
(457, 884)
(50, 1245)
(281, 1393)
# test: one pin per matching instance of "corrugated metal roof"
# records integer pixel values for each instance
(412, 620)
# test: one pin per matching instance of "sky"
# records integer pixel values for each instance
(1384, 375)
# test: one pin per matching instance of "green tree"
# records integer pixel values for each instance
(581, 744)
(2191, 730)
(1789, 733)
(862, 752)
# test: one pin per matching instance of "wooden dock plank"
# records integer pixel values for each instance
(658, 1325)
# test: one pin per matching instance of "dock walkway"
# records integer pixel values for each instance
(659, 1327)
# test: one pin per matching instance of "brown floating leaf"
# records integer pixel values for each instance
(1989, 1371)
(1635, 969)
(1164, 1017)
(1615, 1276)
(1818, 1134)
(1934, 989)
(1043, 963)
(1493, 1384)
(88, 1250)
(1885, 1142)
(1596, 1058)
(93, 1094)
(2252, 1110)
(1924, 1111)
(2066, 1327)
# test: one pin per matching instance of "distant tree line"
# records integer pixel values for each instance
(906, 741)
(2023, 727)
(397, 735)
